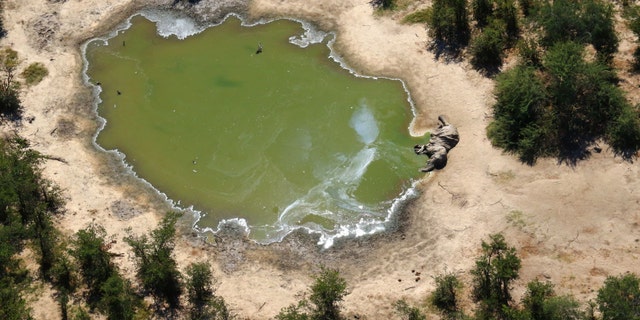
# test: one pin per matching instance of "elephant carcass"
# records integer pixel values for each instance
(443, 139)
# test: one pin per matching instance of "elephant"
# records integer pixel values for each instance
(443, 139)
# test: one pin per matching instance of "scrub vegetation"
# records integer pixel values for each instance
(561, 96)
(34, 73)
(556, 101)
(87, 281)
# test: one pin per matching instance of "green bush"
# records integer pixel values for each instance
(407, 312)
(96, 267)
(449, 23)
(445, 297)
(482, 11)
(587, 21)
(624, 133)
(327, 292)
(420, 16)
(487, 49)
(200, 294)
(493, 275)
(561, 107)
(619, 298)
(34, 73)
(156, 267)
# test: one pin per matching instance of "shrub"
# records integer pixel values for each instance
(407, 312)
(327, 292)
(449, 23)
(482, 11)
(618, 298)
(34, 73)
(588, 21)
(486, 49)
(200, 294)
(445, 297)
(89, 250)
(420, 16)
(492, 276)
(156, 267)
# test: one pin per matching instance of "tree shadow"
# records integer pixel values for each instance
(447, 51)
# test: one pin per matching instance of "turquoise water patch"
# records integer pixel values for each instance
(281, 139)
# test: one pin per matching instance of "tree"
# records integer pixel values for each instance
(14, 307)
(445, 297)
(449, 24)
(327, 291)
(541, 303)
(10, 105)
(156, 267)
(586, 21)
(118, 300)
(619, 298)
(90, 251)
(561, 107)
(200, 294)
(492, 276)
(487, 49)
(482, 11)
(408, 312)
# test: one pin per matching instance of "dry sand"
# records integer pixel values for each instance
(573, 225)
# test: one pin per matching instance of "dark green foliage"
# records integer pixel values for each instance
(493, 274)
(13, 306)
(529, 53)
(89, 250)
(518, 124)
(449, 24)
(632, 15)
(585, 21)
(294, 312)
(619, 298)
(156, 267)
(200, 294)
(408, 312)
(537, 293)
(527, 6)
(482, 11)
(27, 202)
(562, 107)
(10, 105)
(118, 300)
(507, 14)
(80, 313)
(487, 49)
(541, 303)
(445, 297)
(327, 291)
(624, 133)
(63, 274)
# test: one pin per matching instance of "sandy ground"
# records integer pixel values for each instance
(573, 225)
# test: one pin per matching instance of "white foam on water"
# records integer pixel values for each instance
(310, 36)
(173, 23)
(365, 124)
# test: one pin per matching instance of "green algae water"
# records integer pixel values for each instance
(277, 140)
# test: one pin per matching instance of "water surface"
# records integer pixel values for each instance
(282, 139)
